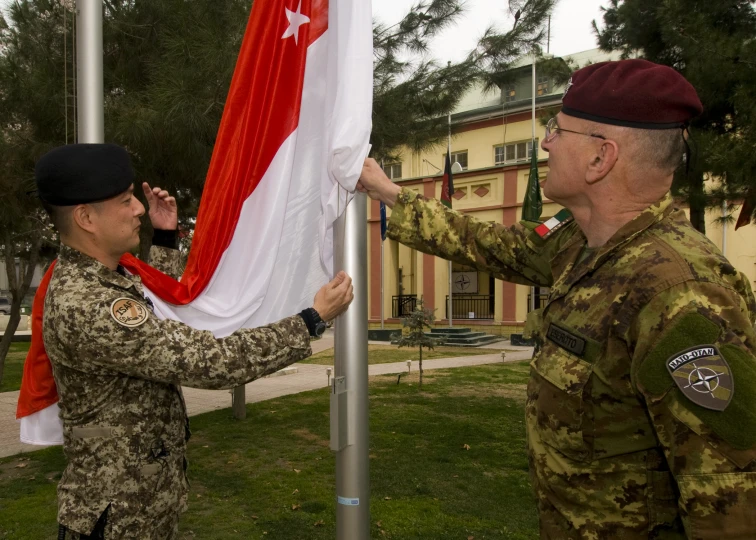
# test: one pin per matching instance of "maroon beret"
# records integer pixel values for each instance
(632, 93)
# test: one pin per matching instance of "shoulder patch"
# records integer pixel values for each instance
(703, 376)
(128, 312)
(562, 218)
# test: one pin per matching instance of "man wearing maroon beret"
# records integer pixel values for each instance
(641, 406)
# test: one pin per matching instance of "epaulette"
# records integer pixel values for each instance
(562, 218)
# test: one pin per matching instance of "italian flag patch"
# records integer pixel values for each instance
(559, 220)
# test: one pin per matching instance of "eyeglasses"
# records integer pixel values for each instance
(552, 128)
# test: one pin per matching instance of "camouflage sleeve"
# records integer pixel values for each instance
(121, 334)
(694, 365)
(166, 260)
(513, 254)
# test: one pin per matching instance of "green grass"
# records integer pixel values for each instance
(386, 354)
(14, 367)
(271, 476)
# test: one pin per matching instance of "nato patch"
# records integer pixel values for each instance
(566, 340)
(128, 312)
(704, 376)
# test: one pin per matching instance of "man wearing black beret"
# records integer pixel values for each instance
(118, 368)
(641, 405)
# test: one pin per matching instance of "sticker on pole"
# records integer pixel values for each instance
(346, 501)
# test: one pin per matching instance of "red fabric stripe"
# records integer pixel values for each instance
(261, 112)
(37, 384)
(542, 229)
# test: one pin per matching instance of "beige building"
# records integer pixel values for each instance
(492, 143)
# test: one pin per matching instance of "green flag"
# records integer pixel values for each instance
(532, 204)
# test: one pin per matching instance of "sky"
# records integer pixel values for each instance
(571, 29)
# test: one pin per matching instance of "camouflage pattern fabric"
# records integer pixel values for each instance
(616, 449)
(118, 370)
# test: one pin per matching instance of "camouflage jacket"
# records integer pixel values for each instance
(118, 369)
(633, 427)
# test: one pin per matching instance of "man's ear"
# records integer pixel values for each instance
(83, 217)
(602, 161)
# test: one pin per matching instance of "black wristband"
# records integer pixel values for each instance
(164, 238)
(308, 320)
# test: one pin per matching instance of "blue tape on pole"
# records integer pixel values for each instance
(346, 501)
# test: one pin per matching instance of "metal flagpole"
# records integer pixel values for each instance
(532, 142)
(91, 115)
(449, 307)
(382, 242)
(349, 389)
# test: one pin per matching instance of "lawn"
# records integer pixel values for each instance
(386, 354)
(14, 367)
(447, 462)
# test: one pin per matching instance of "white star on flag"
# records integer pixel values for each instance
(296, 19)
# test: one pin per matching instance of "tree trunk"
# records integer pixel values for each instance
(18, 289)
(421, 366)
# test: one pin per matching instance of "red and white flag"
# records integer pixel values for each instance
(294, 134)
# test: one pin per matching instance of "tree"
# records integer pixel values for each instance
(413, 95)
(712, 45)
(416, 323)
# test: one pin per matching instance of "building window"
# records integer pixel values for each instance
(457, 157)
(543, 86)
(509, 94)
(513, 152)
(393, 170)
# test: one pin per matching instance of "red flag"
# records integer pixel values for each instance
(746, 211)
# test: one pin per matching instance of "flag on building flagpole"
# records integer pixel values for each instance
(746, 211)
(383, 221)
(290, 147)
(447, 184)
(532, 205)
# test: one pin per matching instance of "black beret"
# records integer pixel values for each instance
(631, 93)
(83, 173)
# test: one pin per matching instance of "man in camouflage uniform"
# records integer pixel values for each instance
(641, 405)
(117, 367)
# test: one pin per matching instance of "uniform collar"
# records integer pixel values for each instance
(94, 267)
(565, 266)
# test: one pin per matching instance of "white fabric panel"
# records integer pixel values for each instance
(43, 427)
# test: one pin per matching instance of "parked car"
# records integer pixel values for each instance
(5, 306)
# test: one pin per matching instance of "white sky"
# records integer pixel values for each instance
(571, 29)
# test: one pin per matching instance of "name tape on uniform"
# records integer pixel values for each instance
(566, 340)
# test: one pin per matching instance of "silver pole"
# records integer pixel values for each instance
(349, 391)
(89, 66)
(533, 128)
(724, 228)
(449, 307)
(382, 242)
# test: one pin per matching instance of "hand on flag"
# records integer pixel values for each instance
(376, 184)
(334, 297)
(163, 210)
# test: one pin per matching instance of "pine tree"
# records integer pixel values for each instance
(712, 44)
(415, 336)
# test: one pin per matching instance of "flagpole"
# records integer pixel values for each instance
(449, 307)
(382, 242)
(532, 149)
(349, 391)
(91, 116)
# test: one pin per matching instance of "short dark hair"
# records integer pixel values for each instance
(60, 216)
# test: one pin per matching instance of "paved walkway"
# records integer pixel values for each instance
(303, 377)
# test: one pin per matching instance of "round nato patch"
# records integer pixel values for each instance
(704, 376)
(128, 312)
